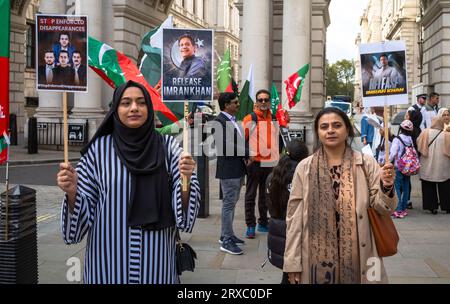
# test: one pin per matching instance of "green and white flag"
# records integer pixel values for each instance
(247, 96)
(224, 82)
(152, 45)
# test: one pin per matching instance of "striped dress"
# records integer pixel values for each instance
(115, 253)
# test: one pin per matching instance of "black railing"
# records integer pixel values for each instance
(51, 134)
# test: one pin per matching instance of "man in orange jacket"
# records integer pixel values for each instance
(262, 135)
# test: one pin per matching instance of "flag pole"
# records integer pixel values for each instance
(185, 141)
(66, 129)
(7, 194)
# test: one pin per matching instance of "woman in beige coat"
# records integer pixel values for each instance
(434, 146)
(328, 236)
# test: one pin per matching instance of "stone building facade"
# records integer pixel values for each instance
(278, 37)
(435, 49)
(423, 26)
(385, 20)
(119, 23)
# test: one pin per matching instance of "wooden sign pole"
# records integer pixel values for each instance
(66, 130)
(386, 132)
(186, 142)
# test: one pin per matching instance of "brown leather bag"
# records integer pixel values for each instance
(383, 228)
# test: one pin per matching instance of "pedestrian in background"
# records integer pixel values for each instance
(126, 195)
(367, 130)
(434, 146)
(262, 135)
(402, 181)
(230, 168)
(328, 234)
(278, 187)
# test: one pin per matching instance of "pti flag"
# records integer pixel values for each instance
(224, 82)
(4, 79)
(247, 96)
(294, 85)
(116, 68)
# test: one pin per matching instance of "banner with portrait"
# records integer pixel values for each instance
(187, 65)
(384, 73)
(61, 53)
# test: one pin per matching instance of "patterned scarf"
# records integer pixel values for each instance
(333, 238)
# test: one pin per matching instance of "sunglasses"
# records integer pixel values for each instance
(263, 100)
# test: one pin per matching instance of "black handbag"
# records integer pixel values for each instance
(185, 256)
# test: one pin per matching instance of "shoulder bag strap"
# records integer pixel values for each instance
(435, 138)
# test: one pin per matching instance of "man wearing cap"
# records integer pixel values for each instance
(420, 107)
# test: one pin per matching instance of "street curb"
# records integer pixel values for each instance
(41, 161)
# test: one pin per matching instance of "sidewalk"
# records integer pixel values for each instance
(18, 155)
(423, 255)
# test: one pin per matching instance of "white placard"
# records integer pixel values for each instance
(384, 78)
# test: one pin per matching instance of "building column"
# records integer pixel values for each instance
(297, 47)
(88, 106)
(50, 103)
(296, 53)
(255, 42)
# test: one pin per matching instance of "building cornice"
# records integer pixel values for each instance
(121, 10)
(227, 34)
(433, 12)
(323, 8)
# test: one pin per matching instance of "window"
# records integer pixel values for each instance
(30, 47)
(32, 102)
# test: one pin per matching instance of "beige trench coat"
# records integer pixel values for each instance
(296, 256)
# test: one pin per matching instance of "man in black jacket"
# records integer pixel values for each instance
(63, 74)
(45, 72)
(232, 154)
(79, 69)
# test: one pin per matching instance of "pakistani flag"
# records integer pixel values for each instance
(150, 65)
(116, 68)
(247, 96)
(224, 82)
(294, 85)
(151, 45)
(4, 78)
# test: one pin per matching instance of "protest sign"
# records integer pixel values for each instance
(384, 73)
(61, 53)
(187, 65)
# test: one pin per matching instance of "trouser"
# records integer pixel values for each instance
(231, 189)
(430, 191)
(256, 178)
(402, 189)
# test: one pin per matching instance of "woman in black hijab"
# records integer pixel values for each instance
(126, 194)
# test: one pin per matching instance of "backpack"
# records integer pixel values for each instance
(408, 163)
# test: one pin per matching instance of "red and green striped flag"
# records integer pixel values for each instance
(116, 68)
(224, 82)
(4, 78)
(294, 85)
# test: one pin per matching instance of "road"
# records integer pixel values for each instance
(42, 174)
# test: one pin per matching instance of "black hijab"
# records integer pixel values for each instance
(141, 150)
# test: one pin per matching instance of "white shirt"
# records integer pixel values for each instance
(233, 120)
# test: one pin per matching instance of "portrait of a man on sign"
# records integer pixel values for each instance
(383, 73)
(187, 65)
(61, 53)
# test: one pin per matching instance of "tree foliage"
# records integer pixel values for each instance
(340, 78)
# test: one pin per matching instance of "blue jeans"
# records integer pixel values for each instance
(231, 189)
(402, 188)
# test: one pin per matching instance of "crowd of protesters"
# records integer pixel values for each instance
(313, 207)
